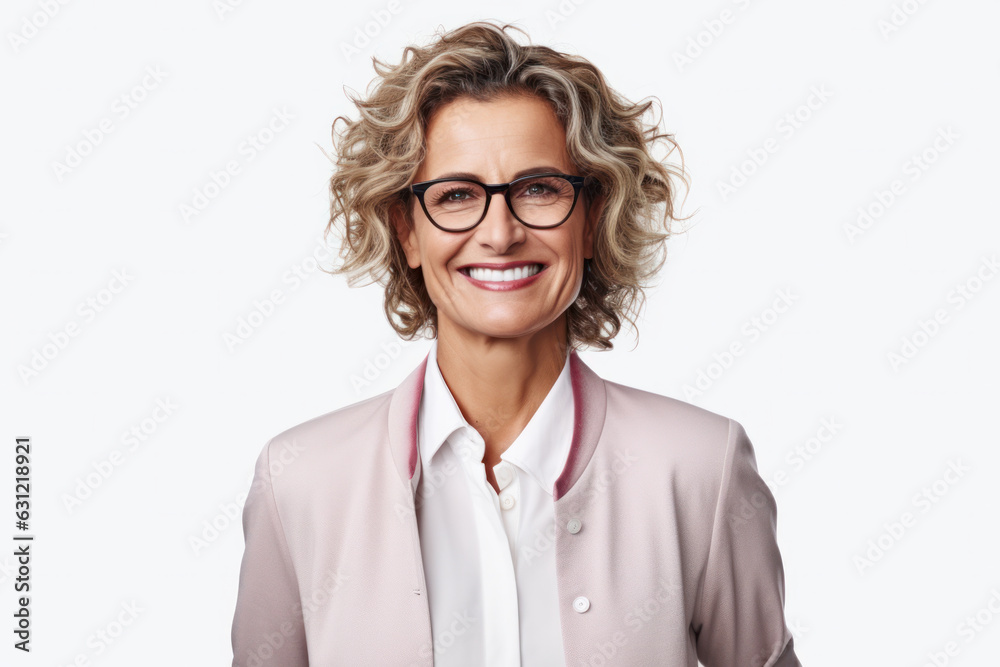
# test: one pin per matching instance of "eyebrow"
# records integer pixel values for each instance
(544, 169)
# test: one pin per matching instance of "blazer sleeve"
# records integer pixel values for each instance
(268, 627)
(739, 617)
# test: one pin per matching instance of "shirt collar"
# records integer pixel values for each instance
(540, 449)
(440, 415)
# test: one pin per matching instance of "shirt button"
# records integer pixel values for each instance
(581, 604)
(506, 501)
(574, 526)
(504, 474)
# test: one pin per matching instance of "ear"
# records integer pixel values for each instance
(407, 235)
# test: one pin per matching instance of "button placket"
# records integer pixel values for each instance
(504, 474)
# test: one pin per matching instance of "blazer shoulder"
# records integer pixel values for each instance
(664, 426)
(331, 437)
(654, 410)
(349, 417)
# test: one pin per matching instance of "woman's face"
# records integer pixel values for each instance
(494, 141)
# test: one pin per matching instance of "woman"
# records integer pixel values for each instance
(505, 505)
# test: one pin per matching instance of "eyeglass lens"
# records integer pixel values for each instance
(544, 200)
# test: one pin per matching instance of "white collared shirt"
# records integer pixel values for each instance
(489, 560)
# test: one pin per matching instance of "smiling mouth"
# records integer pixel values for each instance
(505, 276)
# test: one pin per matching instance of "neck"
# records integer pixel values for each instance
(498, 383)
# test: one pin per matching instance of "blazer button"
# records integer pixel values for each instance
(581, 604)
(574, 526)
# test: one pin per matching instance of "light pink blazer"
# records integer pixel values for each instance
(665, 539)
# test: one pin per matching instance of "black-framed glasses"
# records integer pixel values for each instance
(539, 201)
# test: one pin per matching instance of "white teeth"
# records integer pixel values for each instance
(508, 275)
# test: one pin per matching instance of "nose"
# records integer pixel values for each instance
(499, 229)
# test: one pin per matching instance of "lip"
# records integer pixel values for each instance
(505, 286)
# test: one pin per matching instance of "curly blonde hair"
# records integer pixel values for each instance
(378, 155)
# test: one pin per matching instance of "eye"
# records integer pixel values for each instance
(453, 194)
(543, 188)
(537, 188)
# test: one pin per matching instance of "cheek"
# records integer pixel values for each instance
(435, 255)
(571, 249)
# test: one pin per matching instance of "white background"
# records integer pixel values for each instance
(188, 283)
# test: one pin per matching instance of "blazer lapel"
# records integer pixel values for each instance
(589, 406)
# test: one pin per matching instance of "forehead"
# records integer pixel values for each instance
(493, 139)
